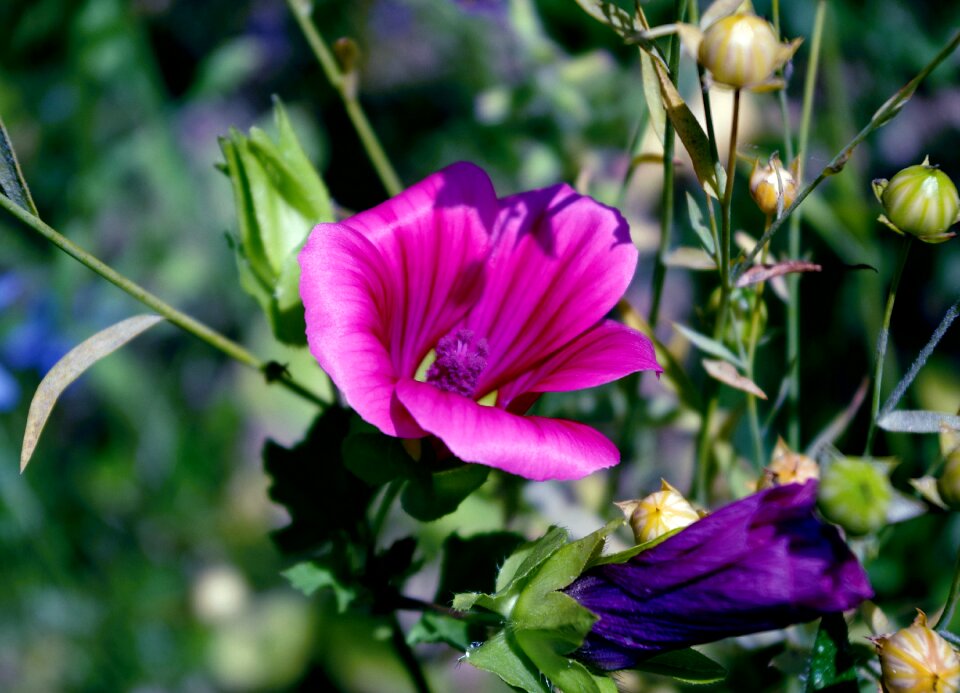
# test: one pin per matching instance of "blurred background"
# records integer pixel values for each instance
(135, 550)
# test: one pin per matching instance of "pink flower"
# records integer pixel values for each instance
(509, 295)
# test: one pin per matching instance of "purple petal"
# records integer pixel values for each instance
(600, 355)
(384, 286)
(560, 263)
(529, 446)
(761, 563)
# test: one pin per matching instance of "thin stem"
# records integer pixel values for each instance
(409, 660)
(753, 337)
(178, 318)
(346, 88)
(951, 604)
(882, 340)
(667, 196)
(883, 115)
(793, 281)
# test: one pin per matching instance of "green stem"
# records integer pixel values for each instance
(882, 339)
(951, 604)
(667, 196)
(389, 496)
(793, 281)
(178, 318)
(883, 115)
(753, 338)
(407, 658)
(347, 91)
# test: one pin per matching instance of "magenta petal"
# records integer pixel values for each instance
(380, 289)
(600, 355)
(529, 446)
(560, 262)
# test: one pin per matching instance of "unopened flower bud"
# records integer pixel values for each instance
(918, 659)
(855, 494)
(948, 485)
(658, 513)
(772, 183)
(742, 50)
(920, 200)
(788, 467)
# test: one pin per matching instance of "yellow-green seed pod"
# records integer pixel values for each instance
(948, 485)
(788, 467)
(918, 660)
(742, 50)
(920, 200)
(771, 183)
(658, 513)
(855, 494)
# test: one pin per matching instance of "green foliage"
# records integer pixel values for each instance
(832, 664)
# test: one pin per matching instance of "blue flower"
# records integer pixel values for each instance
(761, 563)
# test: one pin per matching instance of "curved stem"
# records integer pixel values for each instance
(407, 657)
(882, 340)
(951, 604)
(178, 318)
(347, 90)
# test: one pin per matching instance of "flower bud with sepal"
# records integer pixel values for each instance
(788, 467)
(856, 494)
(773, 187)
(918, 660)
(659, 513)
(921, 201)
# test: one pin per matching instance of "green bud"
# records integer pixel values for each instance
(948, 485)
(855, 494)
(279, 198)
(920, 200)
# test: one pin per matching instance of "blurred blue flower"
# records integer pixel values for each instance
(9, 390)
(483, 6)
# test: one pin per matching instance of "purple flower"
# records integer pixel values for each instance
(507, 296)
(761, 563)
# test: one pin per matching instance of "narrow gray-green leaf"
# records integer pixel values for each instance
(726, 373)
(651, 95)
(71, 367)
(708, 345)
(12, 182)
(696, 221)
(913, 421)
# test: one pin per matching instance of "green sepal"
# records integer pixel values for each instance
(879, 185)
(433, 628)
(686, 666)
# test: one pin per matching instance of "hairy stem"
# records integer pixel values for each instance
(178, 318)
(882, 339)
(346, 89)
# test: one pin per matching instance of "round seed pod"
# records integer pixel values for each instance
(740, 50)
(661, 512)
(921, 200)
(770, 182)
(918, 660)
(856, 495)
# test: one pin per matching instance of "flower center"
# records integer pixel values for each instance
(459, 363)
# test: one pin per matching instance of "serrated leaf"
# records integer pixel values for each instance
(310, 576)
(699, 226)
(727, 374)
(432, 628)
(917, 421)
(12, 182)
(428, 497)
(528, 557)
(74, 364)
(687, 666)
(501, 655)
(548, 654)
(832, 664)
(708, 345)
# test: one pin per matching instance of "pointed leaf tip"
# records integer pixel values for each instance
(71, 367)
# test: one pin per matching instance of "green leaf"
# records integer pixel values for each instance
(548, 654)
(627, 554)
(12, 182)
(428, 497)
(503, 656)
(376, 458)
(687, 666)
(455, 632)
(698, 225)
(651, 95)
(310, 576)
(832, 664)
(74, 364)
(708, 345)
(470, 565)
(325, 501)
(528, 557)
